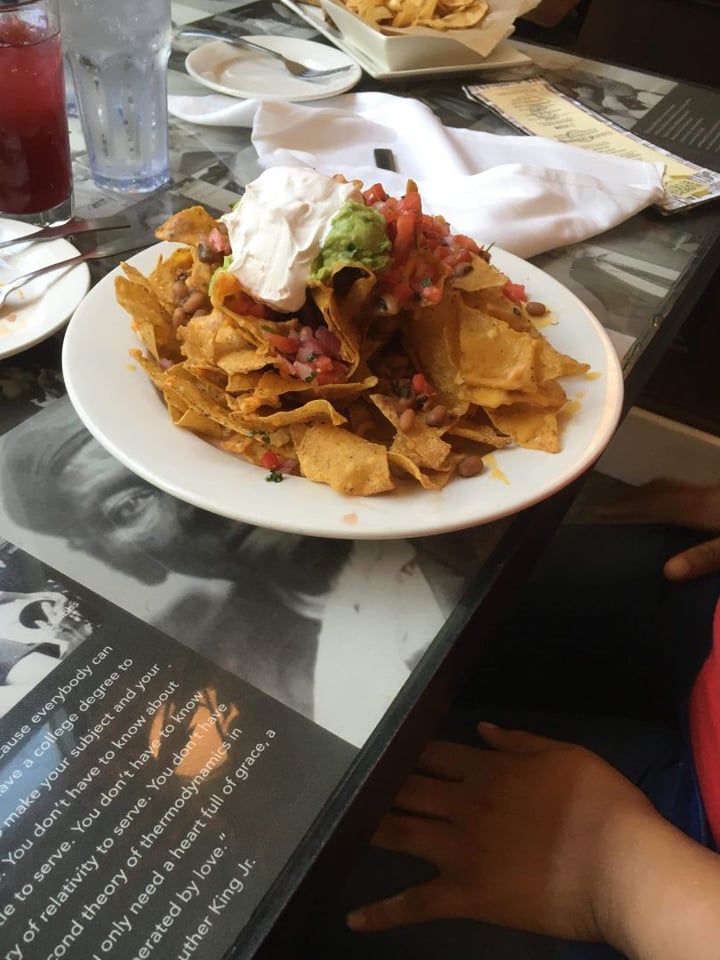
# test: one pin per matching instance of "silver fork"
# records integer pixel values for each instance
(296, 69)
(97, 253)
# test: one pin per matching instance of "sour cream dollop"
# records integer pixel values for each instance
(277, 229)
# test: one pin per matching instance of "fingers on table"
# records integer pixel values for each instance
(428, 796)
(695, 562)
(667, 501)
(429, 901)
(514, 741)
(419, 836)
(449, 761)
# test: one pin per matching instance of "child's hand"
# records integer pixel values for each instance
(530, 834)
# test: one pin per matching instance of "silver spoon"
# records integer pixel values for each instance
(97, 253)
(298, 70)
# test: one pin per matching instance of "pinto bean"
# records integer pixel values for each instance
(407, 419)
(436, 415)
(470, 467)
(363, 428)
(535, 308)
(195, 301)
(179, 290)
(207, 255)
(179, 317)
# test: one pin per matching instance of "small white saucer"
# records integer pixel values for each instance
(41, 307)
(251, 75)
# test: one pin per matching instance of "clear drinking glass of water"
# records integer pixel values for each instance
(118, 54)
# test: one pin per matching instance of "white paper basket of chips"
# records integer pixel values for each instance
(371, 31)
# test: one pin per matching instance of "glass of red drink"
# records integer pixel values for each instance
(35, 170)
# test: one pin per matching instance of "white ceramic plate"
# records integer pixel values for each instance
(38, 309)
(401, 58)
(250, 74)
(121, 408)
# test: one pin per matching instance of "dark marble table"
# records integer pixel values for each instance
(257, 626)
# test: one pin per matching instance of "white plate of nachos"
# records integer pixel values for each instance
(120, 406)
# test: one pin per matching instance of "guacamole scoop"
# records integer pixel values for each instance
(357, 234)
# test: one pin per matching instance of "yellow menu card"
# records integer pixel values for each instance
(538, 108)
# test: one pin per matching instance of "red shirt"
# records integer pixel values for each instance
(705, 730)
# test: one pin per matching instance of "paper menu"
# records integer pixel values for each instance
(536, 107)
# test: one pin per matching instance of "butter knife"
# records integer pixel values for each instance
(385, 159)
(68, 228)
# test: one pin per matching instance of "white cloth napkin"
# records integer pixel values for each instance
(525, 194)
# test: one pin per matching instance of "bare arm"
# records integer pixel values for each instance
(667, 898)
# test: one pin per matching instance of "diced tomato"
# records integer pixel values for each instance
(424, 253)
(435, 226)
(454, 257)
(323, 364)
(515, 292)
(460, 240)
(326, 377)
(283, 344)
(431, 294)
(388, 208)
(270, 460)
(425, 271)
(411, 203)
(374, 194)
(422, 386)
(406, 237)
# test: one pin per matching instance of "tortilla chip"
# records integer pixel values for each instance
(346, 462)
(492, 354)
(421, 444)
(529, 426)
(342, 311)
(311, 412)
(428, 479)
(151, 320)
(165, 274)
(190, 226)
(484, 434)
(436, 14)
